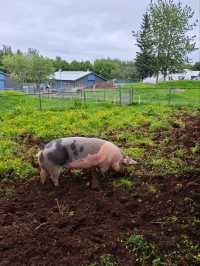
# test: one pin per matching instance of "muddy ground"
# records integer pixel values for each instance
(76, 225)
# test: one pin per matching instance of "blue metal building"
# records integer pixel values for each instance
(7, 83)
(75, 79)
(3, 77)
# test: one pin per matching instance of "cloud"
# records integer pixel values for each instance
(74, 29)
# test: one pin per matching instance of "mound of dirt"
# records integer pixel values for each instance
(188, 135)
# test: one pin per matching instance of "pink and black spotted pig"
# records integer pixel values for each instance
(79, 152)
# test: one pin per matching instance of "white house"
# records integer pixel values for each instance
(186, 74)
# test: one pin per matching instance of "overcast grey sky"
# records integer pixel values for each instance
(75, 29)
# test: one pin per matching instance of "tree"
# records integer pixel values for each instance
(196, 66)
(145, 60)
(28, 68)
(6, 50)
(32, 51)
(105, 67)
(125, 71)
(18, 66)
(60, 64)
(40, 69)
(170, 24)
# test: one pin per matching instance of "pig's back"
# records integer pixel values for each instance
(66, 150)
(80, 147)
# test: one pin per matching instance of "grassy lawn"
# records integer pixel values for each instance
(183, 84)
(166, 93)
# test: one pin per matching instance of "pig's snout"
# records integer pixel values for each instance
(128, 161)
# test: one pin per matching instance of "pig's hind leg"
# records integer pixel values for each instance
(43, 175)
(54, 175)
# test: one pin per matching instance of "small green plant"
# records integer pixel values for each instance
(156, 261)
(143, 249)
(196, 221)
(152, 188)
(93, 264)
(138, 243)
(107, 260)
(195, 149)
(125, 183)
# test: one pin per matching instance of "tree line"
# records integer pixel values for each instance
(33, 67)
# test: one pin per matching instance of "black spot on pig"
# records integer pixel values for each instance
(74, 148)
(81, 149)
(59, 155)
(73, 145)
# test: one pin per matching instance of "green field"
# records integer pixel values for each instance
(171, 92)
(123, 96)
(184, 84)
(117, 123)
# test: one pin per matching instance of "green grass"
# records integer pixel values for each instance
(125, 183)
(105, 260)
(145, 251)
(184, 84)
(131, 127)
(164, 93)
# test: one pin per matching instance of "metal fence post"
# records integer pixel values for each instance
(104, 94)
(120, 96)
(169, 97)
(84, 95)
(40, 100)
(81, 94)
(132, 91)
(130, 95)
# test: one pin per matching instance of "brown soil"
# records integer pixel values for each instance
(33, 231)
(75, 225)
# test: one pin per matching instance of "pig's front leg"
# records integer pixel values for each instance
(94, 183)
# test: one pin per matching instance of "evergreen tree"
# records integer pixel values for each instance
(145, 60)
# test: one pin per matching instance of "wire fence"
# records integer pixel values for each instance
(43, 100)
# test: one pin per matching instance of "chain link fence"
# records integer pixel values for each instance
(44, 100)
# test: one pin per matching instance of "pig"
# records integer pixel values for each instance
(79, 153)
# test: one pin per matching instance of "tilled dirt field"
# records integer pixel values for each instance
(76, 225)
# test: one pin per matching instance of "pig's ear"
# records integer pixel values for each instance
(128, 161)
(41, 146)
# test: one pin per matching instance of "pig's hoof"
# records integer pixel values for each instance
(42, 181)
(88, 184)
(95, 185)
